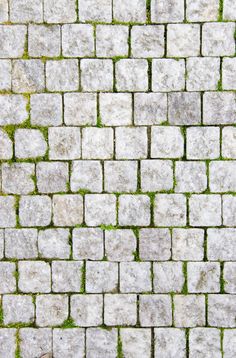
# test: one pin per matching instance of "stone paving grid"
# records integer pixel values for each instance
(118, 178)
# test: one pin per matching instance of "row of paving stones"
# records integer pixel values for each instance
(126, 277)
(122, 245)
(184, 109)
(119, 177)
(147, 41)
(160, 210)
(65, 11)
(124, 75)
(131, 342)
(153, 310)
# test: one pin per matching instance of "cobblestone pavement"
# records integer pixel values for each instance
(118, 179)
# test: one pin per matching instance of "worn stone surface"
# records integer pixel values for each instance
(86, 310)
(117, 178)
(29, 143)
(69, 342)
(170, 342)
(21, 243)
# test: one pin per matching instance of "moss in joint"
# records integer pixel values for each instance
(68, 323)
(185, 273)
(83, 278)
(221, 7)
(119, 346)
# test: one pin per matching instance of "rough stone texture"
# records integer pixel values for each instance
(77, 40)
(203, 277)
(168, 277)
(117, 178)
(190, 177)
(205, 210)
(168, 75)
(12, 109)
(67, 210)
(101, 147)
(26, 11)
(205, 342)
(150, 108)
(134, 210)
(135, 277)
(96, 75)
(44, 40)
(52, 177)
(218, 39)
(46, 109)
(29, 143)
(21, 243)
(111, 40)
(51, 310)
(100, 209)
(6, 147)
(17, 178)
(7, 211)
(170, 209)
(116, 109)
(80, 109)
(64, 143)
(203, 143)
(34, 276)
(127, 11)
(68, 342)
(54, 243)
(155, 310)
(35, 342)
(202, 10)
(183, 40)
(187, 244)
(170, 342)
(35, 210)
(101, 277)
(167, 142)
(101, 343)
(132, 75)
(147, 41)
(155, 244)
(86, 310)
(66, 276)
(88, 244)
(62, 75)
(189, 310)
(136, 341)
(120, 176)
(27, 76)
(18, 309)
(120, 309)
(120, 245)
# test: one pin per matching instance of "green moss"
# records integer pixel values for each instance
(222, 281)
(83, 191)
(187, 341)
(136, 256)
(119, 347)
(219, 85)
(83, 278)
(99, 122)
(108, 227)
(185, 273)
(148, 7)
(17, 351)
(221, 7)
(222, 342)
(1, 315)
(68, 323)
